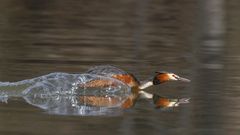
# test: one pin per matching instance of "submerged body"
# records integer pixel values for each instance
(113, 72)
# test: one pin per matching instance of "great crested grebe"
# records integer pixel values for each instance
(136, 86)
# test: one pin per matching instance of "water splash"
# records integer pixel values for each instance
(66, 94)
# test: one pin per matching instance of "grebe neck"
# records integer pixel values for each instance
(145, 95)
(145, 84)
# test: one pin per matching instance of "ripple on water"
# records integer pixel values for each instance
(67, 94)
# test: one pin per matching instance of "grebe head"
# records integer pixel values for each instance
(163, 76)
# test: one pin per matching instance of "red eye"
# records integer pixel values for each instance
(175, 76)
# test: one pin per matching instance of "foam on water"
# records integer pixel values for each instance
(60, 93)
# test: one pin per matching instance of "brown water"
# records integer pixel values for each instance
(197, 40)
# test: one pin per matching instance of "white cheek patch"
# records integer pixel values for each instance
(172, 104)
(171, 77)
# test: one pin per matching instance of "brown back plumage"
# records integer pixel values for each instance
(114, 72)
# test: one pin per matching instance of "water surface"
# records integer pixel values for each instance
(197, 40)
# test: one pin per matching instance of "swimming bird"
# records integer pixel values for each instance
(136, 86)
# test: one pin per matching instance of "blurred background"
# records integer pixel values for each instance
(195, 39)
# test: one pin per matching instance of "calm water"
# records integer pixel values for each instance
(197, 40)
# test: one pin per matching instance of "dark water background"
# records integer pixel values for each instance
(198, 40)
